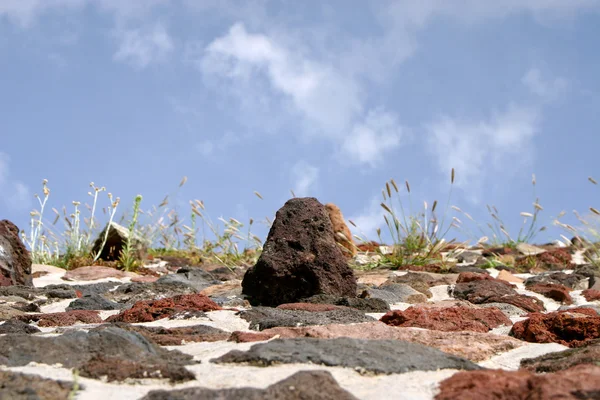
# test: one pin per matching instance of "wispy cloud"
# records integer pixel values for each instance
(547, 88)
(368, 220)
(142, 47)
(305, 177)
(327, 101)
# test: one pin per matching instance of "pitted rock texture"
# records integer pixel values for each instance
(553, 291)
(300, 258)
(339, 227)
(473, 346)
(370, 356)
(261, 318)
(147, 311)
(581, 382)
(367, 305)
(176, 336)
(495, 291)
(62, 318)
(448, 319)
(15, 260)
(75, 349)
(591, 294)
(575, 281)
(303, 385)
(551, 260)
(93, 302)
(561, 360)
(19, 386)
(573, 328)
(17, 326)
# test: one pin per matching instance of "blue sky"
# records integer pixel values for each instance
(326, 98)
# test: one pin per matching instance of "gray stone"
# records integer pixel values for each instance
(19, 386)
(573, 281)
(194, 277)
(265, 317)
(404, 293)
(303, 385)
(17, 326)
(366, 356)
(509, 310)
(366, 305)
(93, 302)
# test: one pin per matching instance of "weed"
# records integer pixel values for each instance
(127, 257)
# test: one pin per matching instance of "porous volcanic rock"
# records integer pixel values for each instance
(366, 305)
(561, 360)
(573, 328)
(194, 277)
(495, 291)
(15, 260)
(17, 326)
(580, 382)
(553, 291)
(591, 294)
(302, 385)
(66, 318)
(93, 302)
(339, 227)
(464, 277)
(175, 336)
(448, 319)
(19, 386)
(402, 293)
(265, 317)
(115, 369)
(551, 260)
(74, 349)
(473, 346)
(300, 258)
(147, 311)
(372, 356)
(575, 281)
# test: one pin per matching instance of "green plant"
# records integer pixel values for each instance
(418, 238)
(499, 233)
(127, 256)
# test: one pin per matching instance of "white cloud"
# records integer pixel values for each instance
(305, 177)
(142, 47)
(474, 148)
(326, 100)
(547, 89)
(369, 140)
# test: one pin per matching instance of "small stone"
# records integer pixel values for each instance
(341, 229)
(62, 318)
(506, 276)
(591, 294)
(15, 260)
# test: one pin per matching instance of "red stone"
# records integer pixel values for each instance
(591, 294)
(573, 328)
(448, 319)
(151, 310)
(553, 291)
(63, 318)
(579, 382)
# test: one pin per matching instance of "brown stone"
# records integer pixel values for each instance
(580, 382)
(573, 328)
(151, 310)
(495, 291)
(314, 307)
(508, 277)
(464, 277)
(591, 294)
(551, 260)
(448, 319)
(95, 272)
(66, 318)
(340, 227)
(117, 369)
(300, 258)
(15, 260)
(474, 346)
(553, 291)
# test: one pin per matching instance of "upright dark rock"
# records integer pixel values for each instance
(15, 260)
(300, 258)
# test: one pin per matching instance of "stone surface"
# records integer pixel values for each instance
(130, 293)
(151, 310)
(93, 302)
(574, 281)
(509, 310)
(561, 360)
(19, 386)
(366, 305)
(300, 258)
(75, 349)
(194, 277)
(551, 260)
(115, 241)
(15, 261)
(17, 326)
(176, 336)
(265, 317)
(92, 273)
(369, 356)
(473, 346)
(417, 280)
(553, 291)
(591, 295)
(303, 385)
(581, 382)
(402, 293)
(572, 328)
(448, 319)
(506, 276)
(62, 318)
(340, 228)
(495, 291)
